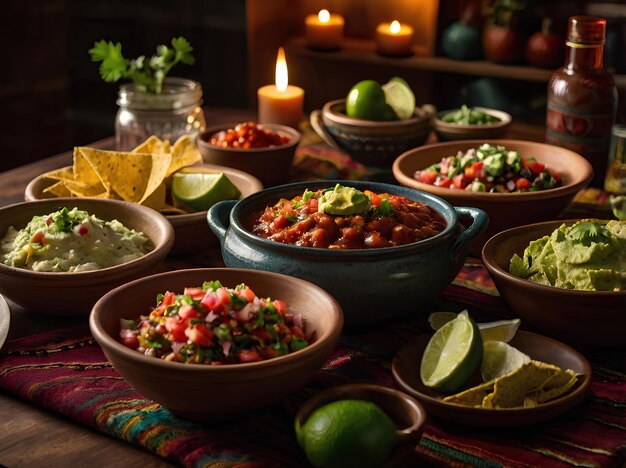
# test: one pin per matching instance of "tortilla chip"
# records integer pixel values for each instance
(554, 387)
(58, 190)
(65, 173)
(473, 396)
(184, 153)
(171, 210)
(156, 200)
(82, 169)
(153, 145)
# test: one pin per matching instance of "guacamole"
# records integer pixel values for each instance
(343, 201)
(590, 255)
(71, 241)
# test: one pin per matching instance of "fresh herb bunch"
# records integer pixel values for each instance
(146, 74)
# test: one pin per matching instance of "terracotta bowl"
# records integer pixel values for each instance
(372, 285)
(373, 143)
(505, 210)
(270, 165)
(594, 318)
(75, 293)
(205, 391)
(192, 232)
(448, 131)
(404, 410)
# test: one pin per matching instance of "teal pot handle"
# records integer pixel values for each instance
(480, 220)
(218, 218)
(317, 122)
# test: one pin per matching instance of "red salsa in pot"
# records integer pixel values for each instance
(346, 218)
(248, 135)
(212, 324)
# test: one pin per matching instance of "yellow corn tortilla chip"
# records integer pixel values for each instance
(473, 396)
(550, 390)
(156, 200)
(510, 390)
(153, 145)
(58, 190)
(65, 173)
(82, 169)
(169, 210)
(184, 153)
(134, 176)
(80, 189)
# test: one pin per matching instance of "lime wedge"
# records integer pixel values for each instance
(452, 355)
(500, 358)
(400, 97)
(499, 330)
(200, 191)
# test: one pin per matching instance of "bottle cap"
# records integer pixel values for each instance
(586, 30)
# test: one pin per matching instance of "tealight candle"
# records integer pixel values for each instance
(281, 103)
(394, 38)
(324, 30)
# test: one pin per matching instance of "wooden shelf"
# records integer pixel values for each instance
(364, 51)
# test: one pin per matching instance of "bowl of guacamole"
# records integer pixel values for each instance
(565, 278)
(59, 256)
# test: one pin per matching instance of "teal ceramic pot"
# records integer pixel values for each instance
(372, 285)
(462, 42)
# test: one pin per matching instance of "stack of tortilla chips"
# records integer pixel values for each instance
(138, 176)
(533, 383)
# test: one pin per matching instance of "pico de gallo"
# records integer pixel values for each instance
(490, 168)
(215, 325)
(346, 218)
(248, 135)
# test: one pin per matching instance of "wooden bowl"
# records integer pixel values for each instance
(449, 131)
(75, 293)
(505, 210)
(406, 372)
(192, 232)
(270, 165)
(594, 318)
(205, 391)
(407, 413)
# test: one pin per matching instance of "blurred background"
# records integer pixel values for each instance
(52, 98)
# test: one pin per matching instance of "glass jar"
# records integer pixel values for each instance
(615, 181)
(175, 112)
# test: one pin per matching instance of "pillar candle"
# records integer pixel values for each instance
(394, 38)
(281, 103)
(324, 30)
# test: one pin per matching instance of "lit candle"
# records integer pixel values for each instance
(324, 30)
(394, 38)
(281, 103)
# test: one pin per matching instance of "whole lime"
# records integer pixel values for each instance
(347, 433)
(366, 100)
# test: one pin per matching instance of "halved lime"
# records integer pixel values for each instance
(499, 330)
(347, 433)
(400, 97)
(500, 358)
(199, 191)
(452, 355)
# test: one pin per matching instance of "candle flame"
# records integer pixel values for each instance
(394, 28)
(282, 77)
(323, 16)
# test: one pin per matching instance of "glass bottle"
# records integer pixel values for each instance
(615, 181)
(582, 97)
(176, 111)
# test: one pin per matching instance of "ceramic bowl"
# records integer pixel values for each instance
(372, 285)
(75, 293)
(594, 318)
(406, 372)
(505, 210)
(370, 142)
(270, 165)
(448, 131)
(225, 391)
(406, 412)
(192, 232)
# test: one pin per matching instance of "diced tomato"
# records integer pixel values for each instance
(199, 335)
(280, 222)
(556, 175)
(82, 230)
(443, 182)
(168, 299)
(262, 334)
(522, 183)
(209, 300)
(428, 177)
(475, 171)
(176, 328)
(281, 307)
(313, 204)
(297, 331)
(129, 338)
(49, 220)
(195, 293)
(38, 238)
(270, 352)
(374, 197)
(536, 167)
(249, 355)
(188, 311)
(222, 296)
(247, 294)
(458, 181)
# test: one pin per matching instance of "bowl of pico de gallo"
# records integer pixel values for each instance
(515, 182)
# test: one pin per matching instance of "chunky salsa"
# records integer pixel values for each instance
(327, 219)
(248, 135)
(490, 168)
(215, 325)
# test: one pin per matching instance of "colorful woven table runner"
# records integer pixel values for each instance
(65, 371)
